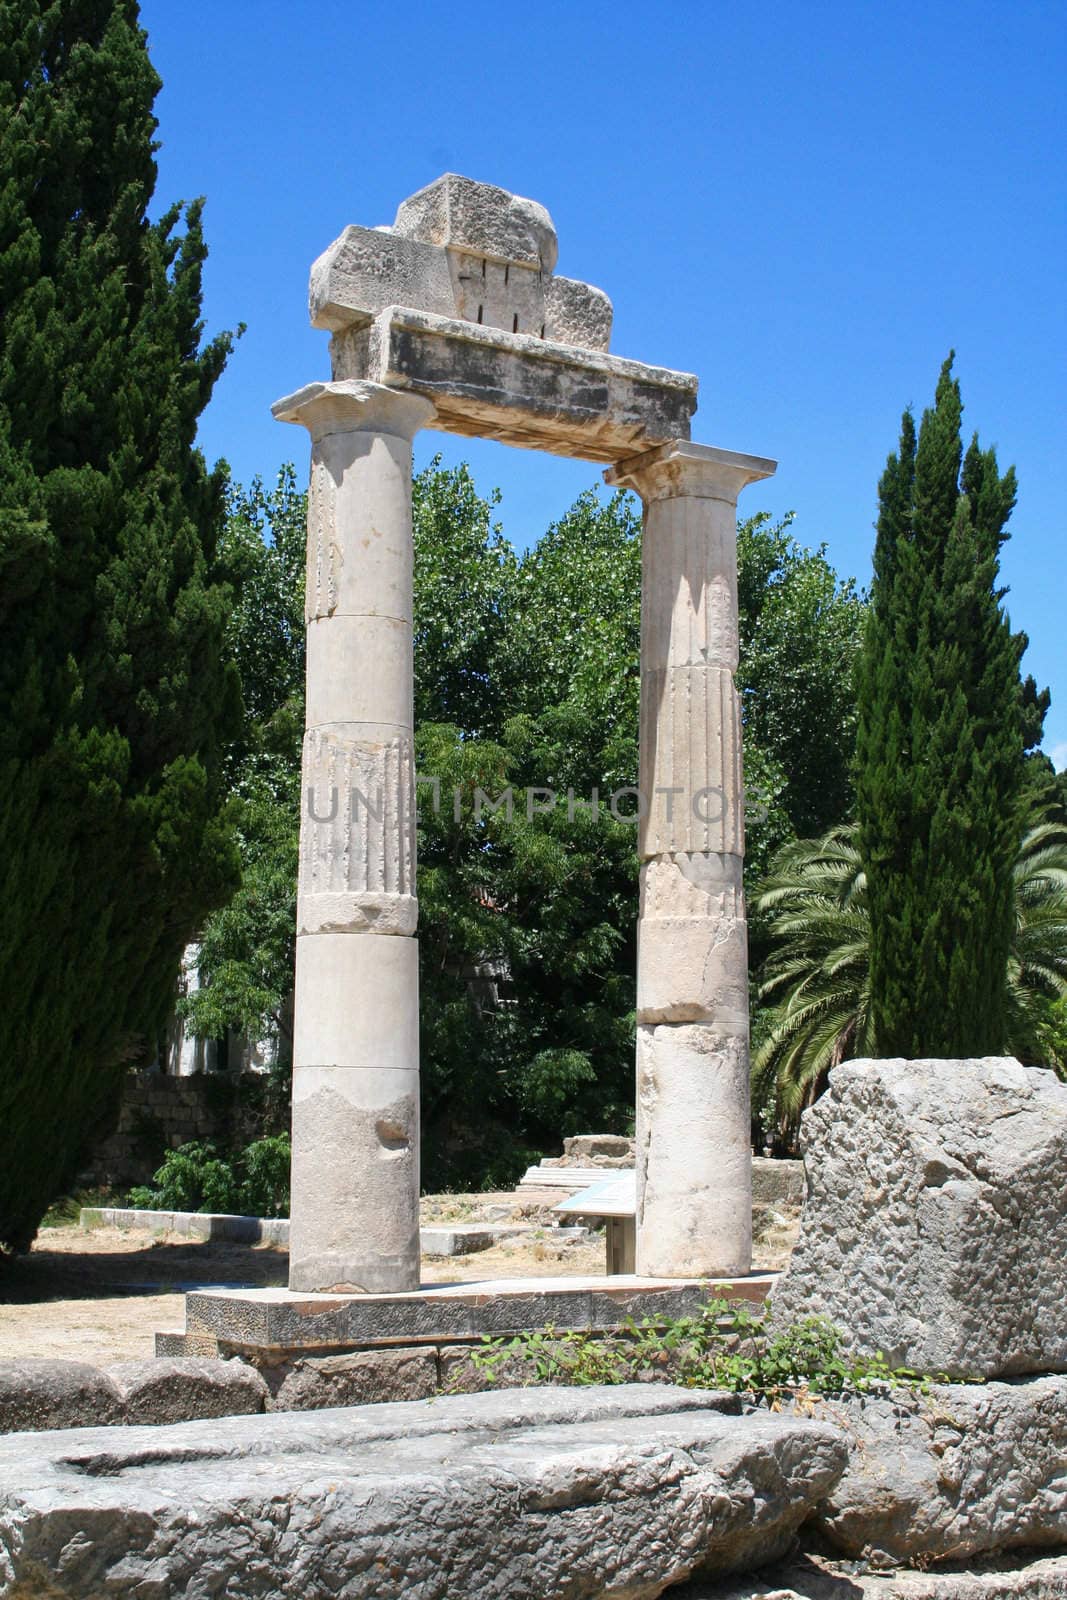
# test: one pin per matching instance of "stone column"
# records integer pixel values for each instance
(694, 1168)
(355, 1181)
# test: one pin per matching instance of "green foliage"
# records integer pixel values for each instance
(263, 1168)
(247, 949)
(816, 979)
(196, 1177)
(723, 1346)
(117, 697)
(942, 731)
(66, 1211)
(800, 637)
(814, 989)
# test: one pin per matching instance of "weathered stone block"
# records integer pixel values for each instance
(181, 1390)
(566, 1494)
(367, 269)
(466, 1239)
(359, 671)
(694, 798)
(463, 214)
(964, 1470)
(40, 1394)
(362, 1377)
(777, 1182)
(577, 313)
(693, 941)
(935, 1228)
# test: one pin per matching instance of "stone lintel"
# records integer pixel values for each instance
(681, 468)
(354, 407)
(279, 1319)
(488, 383)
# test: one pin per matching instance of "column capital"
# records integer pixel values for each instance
(682, 469)
(353, 406)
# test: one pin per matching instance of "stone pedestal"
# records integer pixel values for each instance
(694, 1185)
(355, 1180)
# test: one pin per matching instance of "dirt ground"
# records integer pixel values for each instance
(101, 1295)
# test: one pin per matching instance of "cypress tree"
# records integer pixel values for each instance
(116, 696)
(940, 742)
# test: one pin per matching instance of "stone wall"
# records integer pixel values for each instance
(160, 1112)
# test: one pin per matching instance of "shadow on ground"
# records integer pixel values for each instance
(61, 1271)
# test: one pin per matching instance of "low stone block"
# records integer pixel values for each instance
(180, 1390)
(466, 1239)
(934, 1228)
(965, 1470)
(40, 1394)
(582, 1147)
(566, 1494)
(364, 1377)
(777, 1182)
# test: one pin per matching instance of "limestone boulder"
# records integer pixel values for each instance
(934, 1227)
(961, 1471)
(563, 1494)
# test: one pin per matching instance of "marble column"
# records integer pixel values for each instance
(355, 1178)
(694, 1167)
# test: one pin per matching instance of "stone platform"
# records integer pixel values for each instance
(271, 1326)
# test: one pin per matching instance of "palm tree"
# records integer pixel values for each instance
(816, 978)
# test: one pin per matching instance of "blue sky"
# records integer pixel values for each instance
(807, 205)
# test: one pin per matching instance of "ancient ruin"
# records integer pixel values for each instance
(454, 318)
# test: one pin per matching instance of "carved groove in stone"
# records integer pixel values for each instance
(691, 744)
(324, 555)
(357, 832)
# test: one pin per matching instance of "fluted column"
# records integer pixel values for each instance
(694, 1167)
(355, 1175)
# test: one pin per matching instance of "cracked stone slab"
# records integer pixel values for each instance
(566, 1494)
(523, 390)
(934, 1228)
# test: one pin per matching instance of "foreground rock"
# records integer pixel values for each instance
(562, 1494)
(963, 1471)
(935, 1228)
